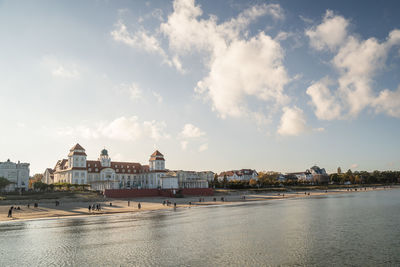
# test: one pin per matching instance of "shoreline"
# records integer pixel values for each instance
(79, 208)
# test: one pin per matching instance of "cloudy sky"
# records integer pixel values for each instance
(214, 85)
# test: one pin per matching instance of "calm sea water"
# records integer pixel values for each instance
(359, 229)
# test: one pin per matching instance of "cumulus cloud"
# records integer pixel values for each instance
(122, 128)
(326, 105)
(238, 66)
(354, 166)
(357, 62)
(141, 39)
(330, 33)
(191, 131)
(388, 102)
(293, 122)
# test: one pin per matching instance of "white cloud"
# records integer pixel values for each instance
(357, 62)
(132, 89)
(330, 33)
(203, 147)
(293, 122)
(143, 40)
(238, 66)
(388, 102)
(158, 97)
(326, 105)
(122, 128)
(191, 131)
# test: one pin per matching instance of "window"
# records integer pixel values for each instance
(97, 169)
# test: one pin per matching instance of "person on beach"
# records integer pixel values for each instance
(10, 213)
(111, 204)
(139, 205)
(163, 203)
(90, 208)
(28, 206)
(129, 203)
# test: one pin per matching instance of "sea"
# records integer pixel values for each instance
(349, 229)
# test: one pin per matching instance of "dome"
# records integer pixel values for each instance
(104, 152)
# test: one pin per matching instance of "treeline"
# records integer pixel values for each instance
(40, 186)
(270, 179)
(364, 177)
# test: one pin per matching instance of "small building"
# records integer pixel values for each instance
(239, 175)
(16, 173)
(48, 176)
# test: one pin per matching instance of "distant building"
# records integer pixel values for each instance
(193, 179)
(103, 173)
(314, 174)
(239, 175)
(48, 176)
(16, 173)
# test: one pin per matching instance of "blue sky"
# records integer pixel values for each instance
(214, 85)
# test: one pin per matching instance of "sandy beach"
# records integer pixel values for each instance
(48, 209)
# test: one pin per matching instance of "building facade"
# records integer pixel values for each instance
(239, 175)
(17, 174)
(104, 173)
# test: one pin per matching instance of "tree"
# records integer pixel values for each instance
(4, 182)
(40, 186)
(35, 178)
(339, 170)
(253, 182)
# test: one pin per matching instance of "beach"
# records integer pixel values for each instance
(66, 208)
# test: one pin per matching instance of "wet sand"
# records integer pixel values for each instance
(48, 209)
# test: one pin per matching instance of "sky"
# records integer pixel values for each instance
(213, 85)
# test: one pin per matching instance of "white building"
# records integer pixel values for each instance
(103, 173)
(16, 173)
(193, 179)
(239, 175)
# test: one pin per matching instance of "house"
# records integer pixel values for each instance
(238, 175)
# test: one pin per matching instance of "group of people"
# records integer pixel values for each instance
(94, 207)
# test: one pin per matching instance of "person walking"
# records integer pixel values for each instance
(10, 213)
(139, 205)
(90, 208)
(129, 203)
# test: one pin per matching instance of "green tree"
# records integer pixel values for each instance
(4, 182)
(339, 170)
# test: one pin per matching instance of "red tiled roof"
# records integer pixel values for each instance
(77, 147)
